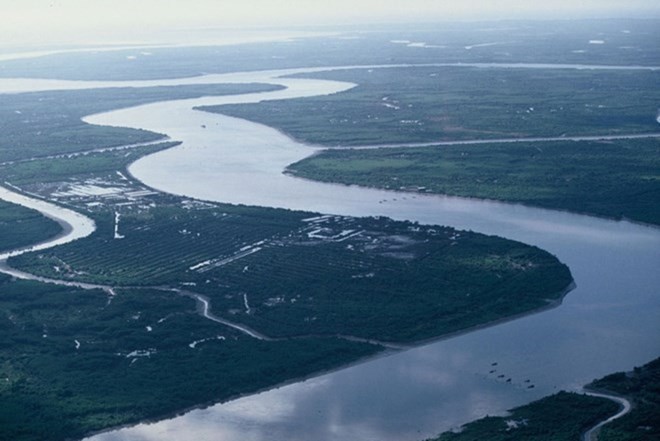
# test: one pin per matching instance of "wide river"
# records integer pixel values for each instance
(610, 322)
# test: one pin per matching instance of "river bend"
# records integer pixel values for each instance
(611, 322)
(74, 226)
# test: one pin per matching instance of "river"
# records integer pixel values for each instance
(611, 322)
(74, 225)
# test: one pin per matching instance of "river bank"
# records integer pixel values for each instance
(74, 225)
(568, 235)
(412, 387)
(204, 311)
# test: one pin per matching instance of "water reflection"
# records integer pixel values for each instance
(377, 408)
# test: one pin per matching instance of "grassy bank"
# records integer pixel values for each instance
(615, 179)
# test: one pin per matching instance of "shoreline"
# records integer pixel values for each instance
(382, 354)
(314, 150)
(388, 347)
(386, 352)
(292, 174)
(65, 217)
(65, 227)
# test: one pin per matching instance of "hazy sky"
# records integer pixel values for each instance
(62, 21)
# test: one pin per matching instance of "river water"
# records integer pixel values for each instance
(74, 225)
(610, 322)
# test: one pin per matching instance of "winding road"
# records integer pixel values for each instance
(626, 407)
(205, 311)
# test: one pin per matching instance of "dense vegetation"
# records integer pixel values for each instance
(388, 280)
(617, 179)
(566, 416)
(49, 123)
(159, 244)
(21, 227)
(561, 417)
(392, 282)
(642, 386)
(425, 104)
(74, 361)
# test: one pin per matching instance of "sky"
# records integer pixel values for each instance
(34, 22)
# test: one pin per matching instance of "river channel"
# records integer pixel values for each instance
(610, 322)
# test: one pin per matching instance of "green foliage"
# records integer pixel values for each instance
(391, 283)
(21, 227)
(560, 417)
(617, 179)
(51, 390)
(426, 104)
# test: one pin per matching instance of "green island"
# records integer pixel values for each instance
(566, 416)
(319, 290)
(384, 280)
(615, 179)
